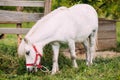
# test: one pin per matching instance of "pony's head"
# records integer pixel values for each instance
(32, 55)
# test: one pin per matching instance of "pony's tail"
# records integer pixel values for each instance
(96, 40)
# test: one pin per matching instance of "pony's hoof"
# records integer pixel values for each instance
(75, 66)
(53, 73)
(89, 64)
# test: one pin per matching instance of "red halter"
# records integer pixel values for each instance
(36, 58)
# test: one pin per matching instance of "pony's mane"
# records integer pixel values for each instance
(44, 19)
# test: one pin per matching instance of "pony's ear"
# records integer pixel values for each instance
(26, 40)
(21, 50)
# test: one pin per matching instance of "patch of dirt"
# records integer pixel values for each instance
(103, 54)
(107, 54)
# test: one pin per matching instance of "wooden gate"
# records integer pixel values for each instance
(18, 17)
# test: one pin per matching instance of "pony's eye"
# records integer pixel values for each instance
(28, 52)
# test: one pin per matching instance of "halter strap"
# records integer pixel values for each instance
(36, 58)
(38, 66)
(36, 51)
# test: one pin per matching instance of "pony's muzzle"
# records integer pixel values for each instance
(31, 70)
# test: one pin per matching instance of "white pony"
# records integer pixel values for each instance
(78, 23)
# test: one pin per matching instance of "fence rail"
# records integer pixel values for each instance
(14, 30)
(18, 17)
(22, 3)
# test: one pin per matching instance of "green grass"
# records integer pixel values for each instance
(103, 69)
(13, 68)
(25, 25)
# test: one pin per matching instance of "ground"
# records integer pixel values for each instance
(103, 54)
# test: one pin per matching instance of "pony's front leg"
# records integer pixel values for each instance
(55, 47)
(71, 44)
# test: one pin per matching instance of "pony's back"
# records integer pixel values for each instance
(84, 14)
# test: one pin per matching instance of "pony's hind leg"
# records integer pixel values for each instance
(86, 46)
(71, 44)
(55, 47)
(92, 45)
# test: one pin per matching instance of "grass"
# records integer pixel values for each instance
(25, 25)
(13, 68)
(103, 69)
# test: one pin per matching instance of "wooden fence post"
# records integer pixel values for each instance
(47, 6)
(19, 25)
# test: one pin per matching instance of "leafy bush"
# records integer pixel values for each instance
(102, 6)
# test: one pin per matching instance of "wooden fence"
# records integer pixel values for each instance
(17, 17)
(107, 34)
